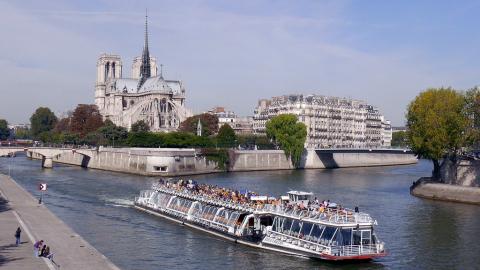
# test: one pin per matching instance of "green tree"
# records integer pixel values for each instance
(22, 133)
(4, 130)
(399, 139)
(140, 126)
(436, 121)
(209, 124)
(114, 134)
(472, 99)
(226, 137)
(42, 120)
(289, 134)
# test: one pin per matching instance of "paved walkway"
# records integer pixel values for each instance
(70, 250)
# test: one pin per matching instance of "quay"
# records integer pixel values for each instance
(19, 208)
(169, 162)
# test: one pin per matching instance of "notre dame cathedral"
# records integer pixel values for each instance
(145, 96)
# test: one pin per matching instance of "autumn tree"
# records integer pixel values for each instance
(437, 121)
(140, 126)
(399, 139)
(85, 119)
(42, 120)
(226, 136)
(289, 135)
(209, 124)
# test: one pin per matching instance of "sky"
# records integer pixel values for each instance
(232, 53)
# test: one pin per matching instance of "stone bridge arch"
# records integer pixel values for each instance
(48, 154)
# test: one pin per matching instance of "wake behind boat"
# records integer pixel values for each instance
(295, 224)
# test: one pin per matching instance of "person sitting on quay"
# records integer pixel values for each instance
(36, 247)
(17, 236)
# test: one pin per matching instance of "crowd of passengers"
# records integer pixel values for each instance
(236, 197)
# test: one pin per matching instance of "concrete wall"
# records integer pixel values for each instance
(258, 160)
(143, 161)
(446, 192)
(320, 159)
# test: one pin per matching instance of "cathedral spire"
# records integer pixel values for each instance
(145, 67)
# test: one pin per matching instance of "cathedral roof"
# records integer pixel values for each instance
(157, 84)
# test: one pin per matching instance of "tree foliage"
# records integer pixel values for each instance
(42, 120)
(399, 139)
(4, 130)
(112, 133)
(289, 134)
(250, 141)
(209, 124)
(171, 139)
(226, 137)
(437, 121)
(140, 126)
(85, 119)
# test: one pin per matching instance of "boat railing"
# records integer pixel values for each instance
(304, 243)
(331, 215)
(355, 250)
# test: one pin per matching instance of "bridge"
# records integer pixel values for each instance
(47, 153)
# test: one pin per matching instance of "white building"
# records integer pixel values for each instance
(241, 125)
(331, 121)
(145, 96)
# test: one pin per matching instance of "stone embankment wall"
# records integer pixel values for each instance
(175, 162)
(143, 161)
(424, 188)
(259, 160)
(461, 172)
(338, 158)
(317, 159)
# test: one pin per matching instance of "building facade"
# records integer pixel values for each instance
(331, 122)
(241, 125)
(146, 96)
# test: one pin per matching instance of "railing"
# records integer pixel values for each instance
(355, 250)
(336, 216)
(303, 243)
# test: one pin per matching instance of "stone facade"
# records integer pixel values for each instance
(146, 96)
(331, 121)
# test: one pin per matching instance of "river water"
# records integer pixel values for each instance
(418, 234)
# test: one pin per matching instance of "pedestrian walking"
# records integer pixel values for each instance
(17, 236)
(36, 247)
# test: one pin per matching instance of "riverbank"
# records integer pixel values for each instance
(70, 250)
(425, 188)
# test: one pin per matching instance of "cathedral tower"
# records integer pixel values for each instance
(109, 67)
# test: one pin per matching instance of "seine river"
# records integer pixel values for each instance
(418, 234)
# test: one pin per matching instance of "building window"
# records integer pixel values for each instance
(160, 168)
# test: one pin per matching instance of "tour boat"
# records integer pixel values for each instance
(294, 224)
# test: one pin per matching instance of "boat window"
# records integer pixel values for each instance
(305, 231)
(295, 228)
(328, 233)
(286, 226)
(366, 237)
(356, 237)
(316, 232)
(345, 237)
(233, 219)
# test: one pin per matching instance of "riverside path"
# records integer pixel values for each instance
(70, 250)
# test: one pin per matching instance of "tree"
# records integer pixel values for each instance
(85, 119)
(22, 133)
(399, 139)
(140, 126)
(113, 133)
(226, 137)
(289, 134)
(472, 106)
(209, 124)
(42, 120)
(4, 130)
(436, 121)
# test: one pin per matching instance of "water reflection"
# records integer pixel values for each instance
(419, 234)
